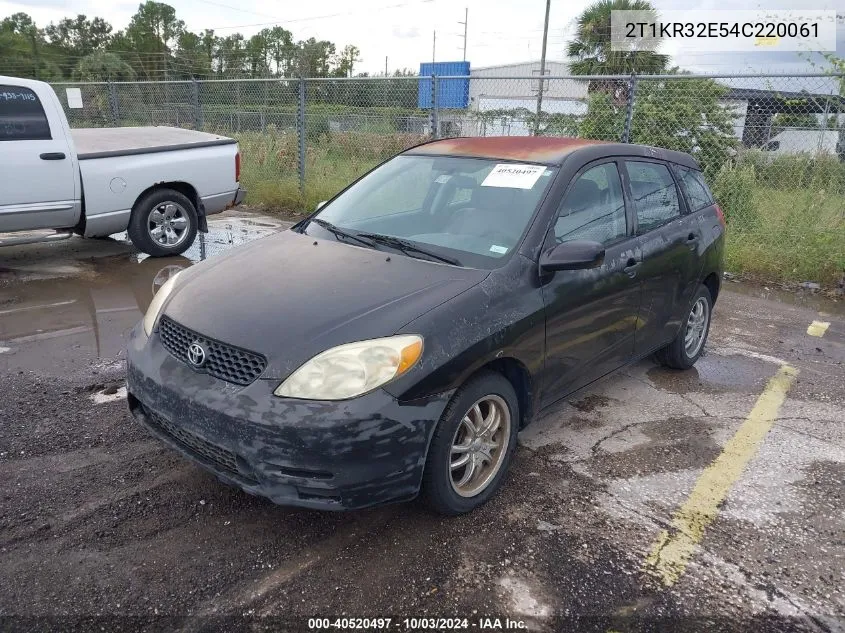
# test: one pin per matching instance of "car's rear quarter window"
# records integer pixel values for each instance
(22, 117)
(696, 190)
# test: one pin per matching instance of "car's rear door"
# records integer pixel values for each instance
(591, 314)
(668, 238)
(36, 163)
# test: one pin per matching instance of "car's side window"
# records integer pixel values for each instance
(593, 207)
(698, 194)
(21, 116)
(654, 193)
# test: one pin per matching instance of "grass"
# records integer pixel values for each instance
(786, 218)
(794, 236)
(269, 165)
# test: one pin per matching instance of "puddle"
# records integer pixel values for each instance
(713, 374)
(71, 306)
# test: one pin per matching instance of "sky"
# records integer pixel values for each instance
(499, 31)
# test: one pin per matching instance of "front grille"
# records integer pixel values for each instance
(217, 455)
(223, 361)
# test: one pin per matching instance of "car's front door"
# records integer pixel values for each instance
(668, 239)
(36, 163)
(591, 314)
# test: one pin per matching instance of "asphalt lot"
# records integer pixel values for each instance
(711, 499)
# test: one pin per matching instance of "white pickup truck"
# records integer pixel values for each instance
(157, 183)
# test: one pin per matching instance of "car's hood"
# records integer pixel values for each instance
(290, 296)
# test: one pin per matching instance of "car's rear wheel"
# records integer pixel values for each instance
(688, 346)
(163, 222)
(472, 445)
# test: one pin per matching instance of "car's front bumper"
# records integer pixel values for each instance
(328, 455)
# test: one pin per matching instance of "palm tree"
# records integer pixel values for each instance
(591, 51)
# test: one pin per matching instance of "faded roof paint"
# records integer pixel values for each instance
(535, 149)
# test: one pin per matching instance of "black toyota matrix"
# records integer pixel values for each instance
(393, 343)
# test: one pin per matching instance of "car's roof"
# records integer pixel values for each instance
(546, 150)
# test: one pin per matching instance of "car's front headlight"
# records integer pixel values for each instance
(352, 369)
(159, 298)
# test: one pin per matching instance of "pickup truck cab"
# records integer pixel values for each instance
(157, 183)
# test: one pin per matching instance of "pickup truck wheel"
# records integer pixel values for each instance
(164, 222)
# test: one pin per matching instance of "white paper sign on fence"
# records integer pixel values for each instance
(74, 97)
(513, 175)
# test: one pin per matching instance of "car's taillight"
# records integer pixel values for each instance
(719, 214)
(238, 167)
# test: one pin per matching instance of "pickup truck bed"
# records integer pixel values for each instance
(127, 141)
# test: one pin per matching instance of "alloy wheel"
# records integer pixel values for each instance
(697, 322)
(479, 445)
(168, 224)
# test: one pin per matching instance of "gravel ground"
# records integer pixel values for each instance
(101, 527)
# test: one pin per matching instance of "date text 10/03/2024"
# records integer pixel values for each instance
(417, 624)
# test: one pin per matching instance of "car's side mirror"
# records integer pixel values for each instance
(575, 255)
(321, 204)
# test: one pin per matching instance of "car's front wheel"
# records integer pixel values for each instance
(688, 346)
(472, 445)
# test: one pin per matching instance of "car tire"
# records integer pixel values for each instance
(163, 222)
(442, 487)
(688, 346)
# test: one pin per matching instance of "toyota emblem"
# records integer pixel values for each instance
(196, 354)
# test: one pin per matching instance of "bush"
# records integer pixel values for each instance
(734, 191)
(798, 171)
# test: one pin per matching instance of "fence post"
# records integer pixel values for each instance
(629, 113)
(113, 105)
(195, 97)
(300, 132)
(433, 114)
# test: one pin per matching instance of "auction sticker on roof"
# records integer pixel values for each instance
(513, 175)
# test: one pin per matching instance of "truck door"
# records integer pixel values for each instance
(36, 162)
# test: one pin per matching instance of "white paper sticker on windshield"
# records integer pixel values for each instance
(513, 175)
(499, 249)
(442, 179)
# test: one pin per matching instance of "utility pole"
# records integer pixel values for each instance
(433, 46)
(542, 70)
(385, 65)
(465, 22)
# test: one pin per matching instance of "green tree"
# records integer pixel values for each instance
(315, 57)
(152, 35)
(192, 60)
(783, 120)
(591, 53)
(103, 66)
(23, 49)
(71, 39)
(345, 61)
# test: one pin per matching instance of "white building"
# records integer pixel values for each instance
(511, 87)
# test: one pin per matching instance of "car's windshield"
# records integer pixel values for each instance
(468, 211)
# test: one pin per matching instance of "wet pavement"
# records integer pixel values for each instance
(710, 499)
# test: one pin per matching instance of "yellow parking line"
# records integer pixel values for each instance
(674, 548)
(818, 328)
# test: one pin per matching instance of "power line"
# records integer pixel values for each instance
(322, 17)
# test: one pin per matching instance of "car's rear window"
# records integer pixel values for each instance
(697, 192)
(21, 116)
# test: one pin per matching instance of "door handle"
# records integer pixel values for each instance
(692, 240)
(631, 267)
(52, 156)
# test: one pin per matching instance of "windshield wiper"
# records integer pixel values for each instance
(408, 247)
(339, 232)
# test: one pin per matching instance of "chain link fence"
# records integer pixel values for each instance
(772, 147)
